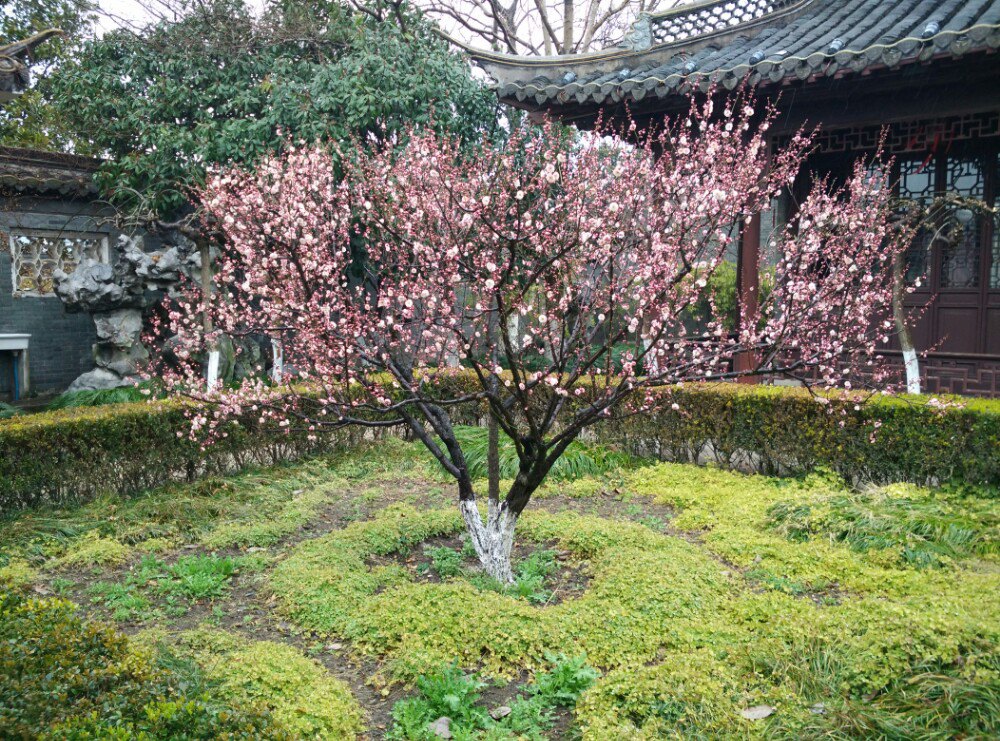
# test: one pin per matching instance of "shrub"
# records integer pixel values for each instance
(780, 430)
(76, 454)
(63, 677)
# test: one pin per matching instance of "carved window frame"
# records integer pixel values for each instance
(57, 255)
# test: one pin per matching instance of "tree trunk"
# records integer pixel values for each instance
(910, 362)
(493, 539)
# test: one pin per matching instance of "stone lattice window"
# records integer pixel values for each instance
(36, 255)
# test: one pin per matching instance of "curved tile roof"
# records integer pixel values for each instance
(765, 42)
(37, 172)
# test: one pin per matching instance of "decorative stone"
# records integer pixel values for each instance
(123, 362)
(757, 712)
(441, 727)
(121, 328)
(94, 286)
(97, 379)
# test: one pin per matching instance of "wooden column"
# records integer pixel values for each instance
(748, 286)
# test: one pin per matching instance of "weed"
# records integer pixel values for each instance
(453, 694)
(122, 600)
(447, 563)
(563, 684)
(198, 577)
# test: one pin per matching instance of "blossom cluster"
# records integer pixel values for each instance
(546, 266)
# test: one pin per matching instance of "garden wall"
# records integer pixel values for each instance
(77, 454)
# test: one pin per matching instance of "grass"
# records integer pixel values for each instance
(925, 529)
(852, 614)
(100, 397)
(579, 460)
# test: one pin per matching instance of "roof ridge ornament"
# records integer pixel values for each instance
(15, 58)
(640, 37)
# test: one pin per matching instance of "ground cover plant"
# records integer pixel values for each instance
(339, 598)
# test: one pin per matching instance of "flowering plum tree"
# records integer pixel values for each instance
(559, 275)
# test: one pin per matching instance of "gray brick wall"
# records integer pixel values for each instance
(61, 345)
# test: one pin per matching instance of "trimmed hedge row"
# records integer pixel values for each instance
(77, 454)
(780, 430)
(126, 448)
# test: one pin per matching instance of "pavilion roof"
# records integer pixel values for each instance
(765, 42)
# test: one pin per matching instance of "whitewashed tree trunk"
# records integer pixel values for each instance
(212, 378)
(492, 539)
(910, 362)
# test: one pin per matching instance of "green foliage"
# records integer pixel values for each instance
(926, 529)
(579, 460)
(122, 600)
(7, 411)
(781, 431)
(446, 562)
(274, 678)
(451, 693)
(128, 448)
(563, 684)
(721, 290)
(219, 86)
(80, 453)
(31, 119)
(100, 397)
(448, 693)
(529, 579)
(198, 577)
(63, 677)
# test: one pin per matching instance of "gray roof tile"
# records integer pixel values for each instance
(773, 41)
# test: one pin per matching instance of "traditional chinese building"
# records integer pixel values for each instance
(925, 72)
(51, 220)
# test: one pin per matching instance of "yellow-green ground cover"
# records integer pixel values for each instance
(301, 596)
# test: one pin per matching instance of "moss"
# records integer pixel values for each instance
(641, 585)
(295, 690)
(267, 528)
(18, 573)
(92, 549)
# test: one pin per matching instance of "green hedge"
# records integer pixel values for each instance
(125, 448)
(76, 454)
(782, 430)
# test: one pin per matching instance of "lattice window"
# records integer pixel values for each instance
(960, 254)
(916, 183)
(713, 17)
(35, 257)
